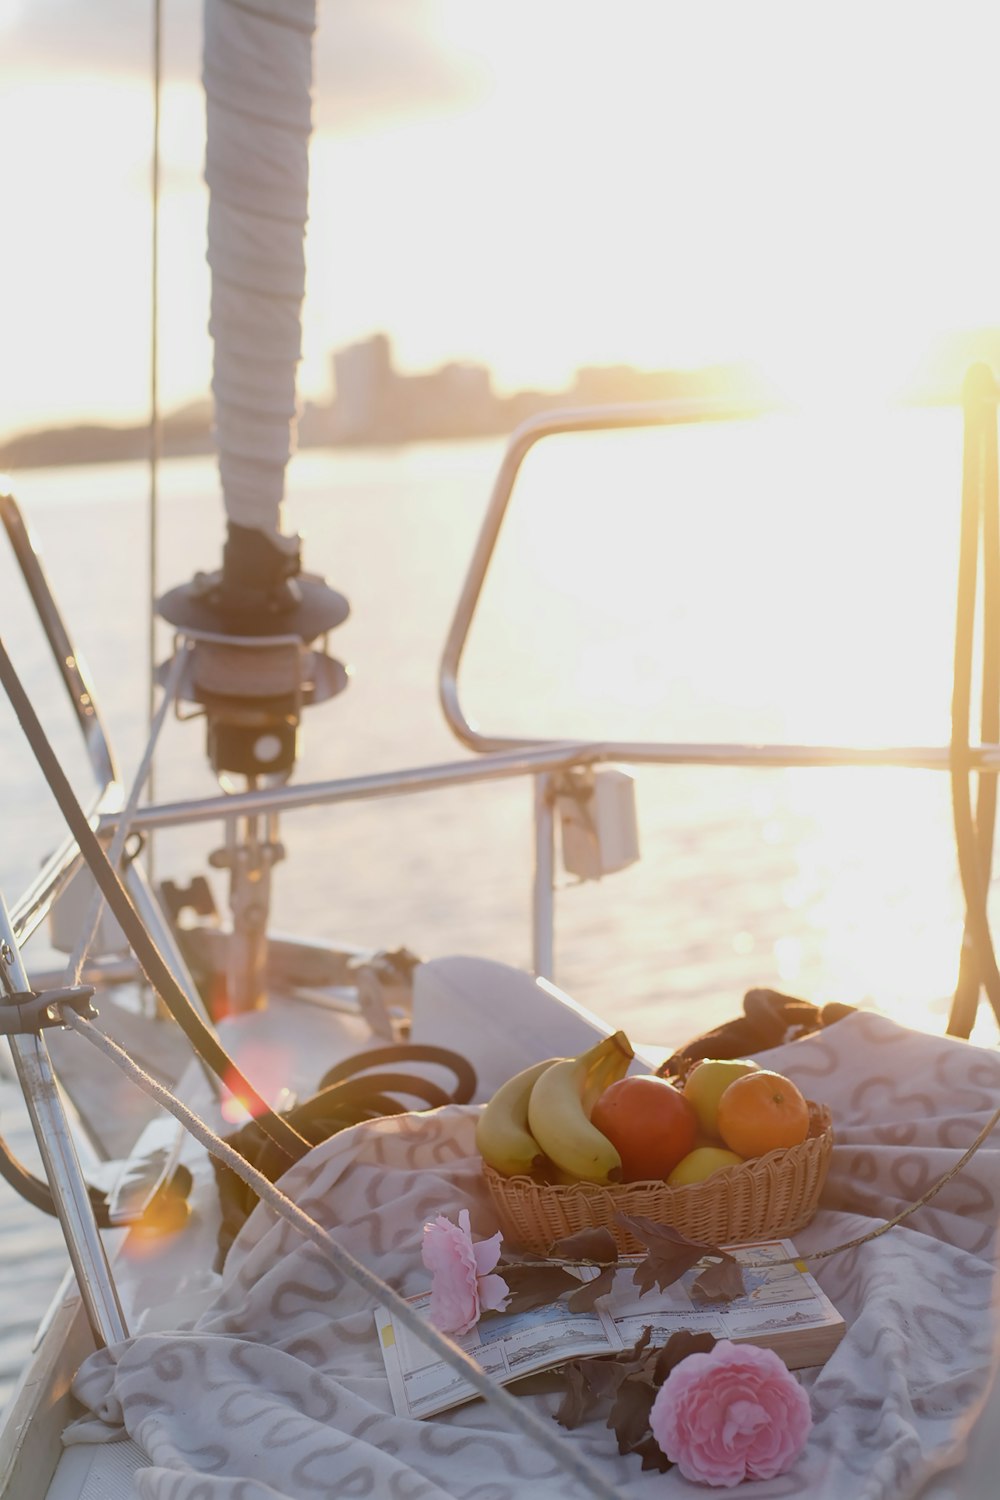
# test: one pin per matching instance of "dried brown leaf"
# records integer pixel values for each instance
(670, 1253)
(678, 1346)
(629, 1414)
(593, 1383)
(536, 1286)
(720, 1281)
(587, 1292)
(587, 1244)
(580, 1402)
(652, 1455)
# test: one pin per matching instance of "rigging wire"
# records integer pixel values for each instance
(33, 1189)
(155, 426)
(151, 961)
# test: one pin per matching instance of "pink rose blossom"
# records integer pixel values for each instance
(734, 1413)
(461, 1287)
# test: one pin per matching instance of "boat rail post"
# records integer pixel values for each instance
(62, 1166)
(543, 901)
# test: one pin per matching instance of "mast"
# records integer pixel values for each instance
(250, 623)
(257, 70)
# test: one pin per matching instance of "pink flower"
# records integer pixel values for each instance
(734, 1413)
(461, 1289)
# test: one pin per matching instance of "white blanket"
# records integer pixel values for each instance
(280, 1392)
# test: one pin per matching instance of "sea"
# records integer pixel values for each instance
(786, 580)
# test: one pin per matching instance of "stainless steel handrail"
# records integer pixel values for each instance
(523, 439)
(616, 418)
(33, 906)
(534, 758)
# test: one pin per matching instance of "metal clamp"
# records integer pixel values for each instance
(25, 1013)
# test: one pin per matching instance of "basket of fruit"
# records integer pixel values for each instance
(733, 1155)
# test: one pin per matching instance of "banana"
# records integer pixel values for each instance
(502, 1133)
(557, 1113)
(613, 1057)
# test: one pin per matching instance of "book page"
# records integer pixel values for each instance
(506, 1345)
(782, 1307)
(777, 1301)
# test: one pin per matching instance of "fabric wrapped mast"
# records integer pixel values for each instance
(258, 77)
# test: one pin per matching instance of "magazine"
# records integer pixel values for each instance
(782, 1308)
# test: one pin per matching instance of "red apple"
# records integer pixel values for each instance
(649, 1122)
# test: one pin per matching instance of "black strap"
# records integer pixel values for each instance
(38, 1193)
(357, 1089)
(409, 1052)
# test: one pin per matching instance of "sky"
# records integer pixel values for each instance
(533, 184)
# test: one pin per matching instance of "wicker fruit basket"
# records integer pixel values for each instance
(767, 1197)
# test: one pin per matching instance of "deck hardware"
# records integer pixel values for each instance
(24, 1013)
(70, 1192)
(385, 990)
(598, 820)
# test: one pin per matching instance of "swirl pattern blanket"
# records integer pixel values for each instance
(279, 1390)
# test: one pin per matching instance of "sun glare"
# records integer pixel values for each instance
(680, 193)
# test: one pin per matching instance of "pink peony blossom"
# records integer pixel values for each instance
(461, 1288)
(734, 1413)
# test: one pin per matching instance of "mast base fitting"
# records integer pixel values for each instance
(259, 591)
(269, 748)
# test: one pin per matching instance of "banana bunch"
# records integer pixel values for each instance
(541, 1116)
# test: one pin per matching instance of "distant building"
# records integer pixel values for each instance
(454, 401)
(365, 384)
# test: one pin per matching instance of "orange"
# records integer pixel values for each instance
(762, 1112)
(707, 1082)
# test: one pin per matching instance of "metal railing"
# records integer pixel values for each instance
(32, 908)
(500, 757)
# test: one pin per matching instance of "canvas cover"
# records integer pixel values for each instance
(279, 1390)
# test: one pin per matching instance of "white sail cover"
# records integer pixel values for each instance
(258, 77)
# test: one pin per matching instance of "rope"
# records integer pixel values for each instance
(974, 844)
(533, 1427)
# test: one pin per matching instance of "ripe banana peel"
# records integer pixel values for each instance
(559, 1108)
(611, 1062)
(502, 1134)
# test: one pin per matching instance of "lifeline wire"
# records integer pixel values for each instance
(532, 1426)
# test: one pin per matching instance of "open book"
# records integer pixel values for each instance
(782, 1308)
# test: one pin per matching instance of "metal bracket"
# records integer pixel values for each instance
(25, 1013)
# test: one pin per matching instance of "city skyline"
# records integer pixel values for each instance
(720, 204)
(375, 402)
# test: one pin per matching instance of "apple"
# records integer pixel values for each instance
(649, 1122)
(707, 1082)
(701, 1163)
